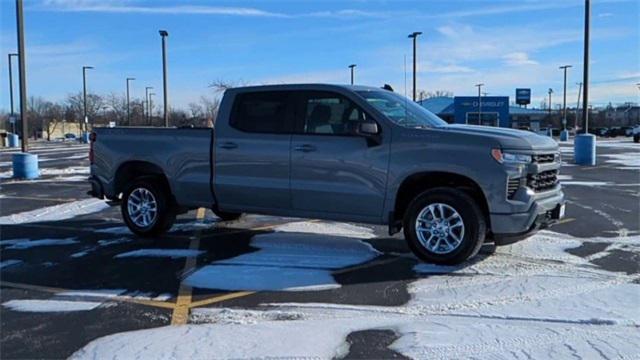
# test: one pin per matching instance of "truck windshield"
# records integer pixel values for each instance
(401, 110)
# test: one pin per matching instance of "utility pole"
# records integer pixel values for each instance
(479, 86)
(84, 96)
(414, 36)
(128, 111)
(164, 34)
(12, 115)
(585, 71)
(22, 71)
(352, 66)
(146, 92)
(578, 104)
(564, 100)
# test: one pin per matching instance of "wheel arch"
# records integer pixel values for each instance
(135, 169)
(417, 183)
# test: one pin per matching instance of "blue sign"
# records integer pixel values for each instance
(523, 96)
(494, 110)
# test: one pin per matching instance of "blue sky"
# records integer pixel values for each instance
(504, 44)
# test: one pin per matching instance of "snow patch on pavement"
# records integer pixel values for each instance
(628, 161)
(286, 261)
(50, 305)
(21, 244)
(161, 253)
(327, 228)
(9, 262)
(56, 212)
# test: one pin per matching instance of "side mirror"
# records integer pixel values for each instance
(368, 128)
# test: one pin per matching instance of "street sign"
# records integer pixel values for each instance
(523, 96)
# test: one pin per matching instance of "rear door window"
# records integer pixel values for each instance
(263, 112)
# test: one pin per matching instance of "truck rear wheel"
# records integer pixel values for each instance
(146, 208)
(444, 226)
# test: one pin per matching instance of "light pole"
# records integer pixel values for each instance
(578, 105)
(585, 71)
(151, 108)
(479, 86)
(352, 67)
(128, 111)
(22, 72)
(414, 36)
(549, 108)
(13, 119)
(146, 92)
(164, 34)
(564, 99)
(84, 96)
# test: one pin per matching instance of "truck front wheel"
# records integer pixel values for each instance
(146, 208)
(444, 226)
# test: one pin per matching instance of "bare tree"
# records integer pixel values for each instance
(76, 104)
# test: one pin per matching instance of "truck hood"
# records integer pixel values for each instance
(508, 138)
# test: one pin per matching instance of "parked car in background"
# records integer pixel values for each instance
(345, 153)
(70, 137)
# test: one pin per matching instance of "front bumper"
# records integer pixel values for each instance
(509, 228)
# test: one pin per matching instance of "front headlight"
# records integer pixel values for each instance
(510, 158)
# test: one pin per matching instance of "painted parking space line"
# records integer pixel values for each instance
(39, 198)
(180, 314)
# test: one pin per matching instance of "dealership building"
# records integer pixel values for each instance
(490, 111)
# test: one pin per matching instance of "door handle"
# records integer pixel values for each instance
(228, 145)
(305, 148)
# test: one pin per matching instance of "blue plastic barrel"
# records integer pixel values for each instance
(584, 147)
(25, 166)
(564, 135)
(85, 137)
(550, 132)
(13, 140)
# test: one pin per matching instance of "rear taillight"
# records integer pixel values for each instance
(92, 139)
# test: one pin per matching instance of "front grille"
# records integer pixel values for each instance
(543, 181)
(512, 187)
(544, 158)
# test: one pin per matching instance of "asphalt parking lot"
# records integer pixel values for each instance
(72, 275)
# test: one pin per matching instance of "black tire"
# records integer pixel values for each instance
(165, 216)
(472, 219)
(227, 216)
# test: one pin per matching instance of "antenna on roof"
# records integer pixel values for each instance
(387, 87)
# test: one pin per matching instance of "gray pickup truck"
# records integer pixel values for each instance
(346, 153)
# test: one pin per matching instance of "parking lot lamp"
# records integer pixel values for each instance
(164, 34)
(479, 86)
(564, 99)
(352, 67)
(146, 92)
(12, 114)
(414, 36)
(585, 143)
(549, 107)
(128, 111)
(151, 108)
(84, 96)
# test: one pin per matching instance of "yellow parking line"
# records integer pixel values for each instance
(564, 221)
(37, 198)
(180, 314)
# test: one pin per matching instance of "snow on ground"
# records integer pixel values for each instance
(50, 305)
(327, 228)
(170, 253)
(21, 244)
(568, 180)
(9, 262)
(628, 161)
(101, 243)
(286, 261)
(56, 212)
(532, 300)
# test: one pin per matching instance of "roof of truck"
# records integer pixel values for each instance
(309, 86)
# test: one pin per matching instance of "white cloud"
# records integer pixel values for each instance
(518, 58)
